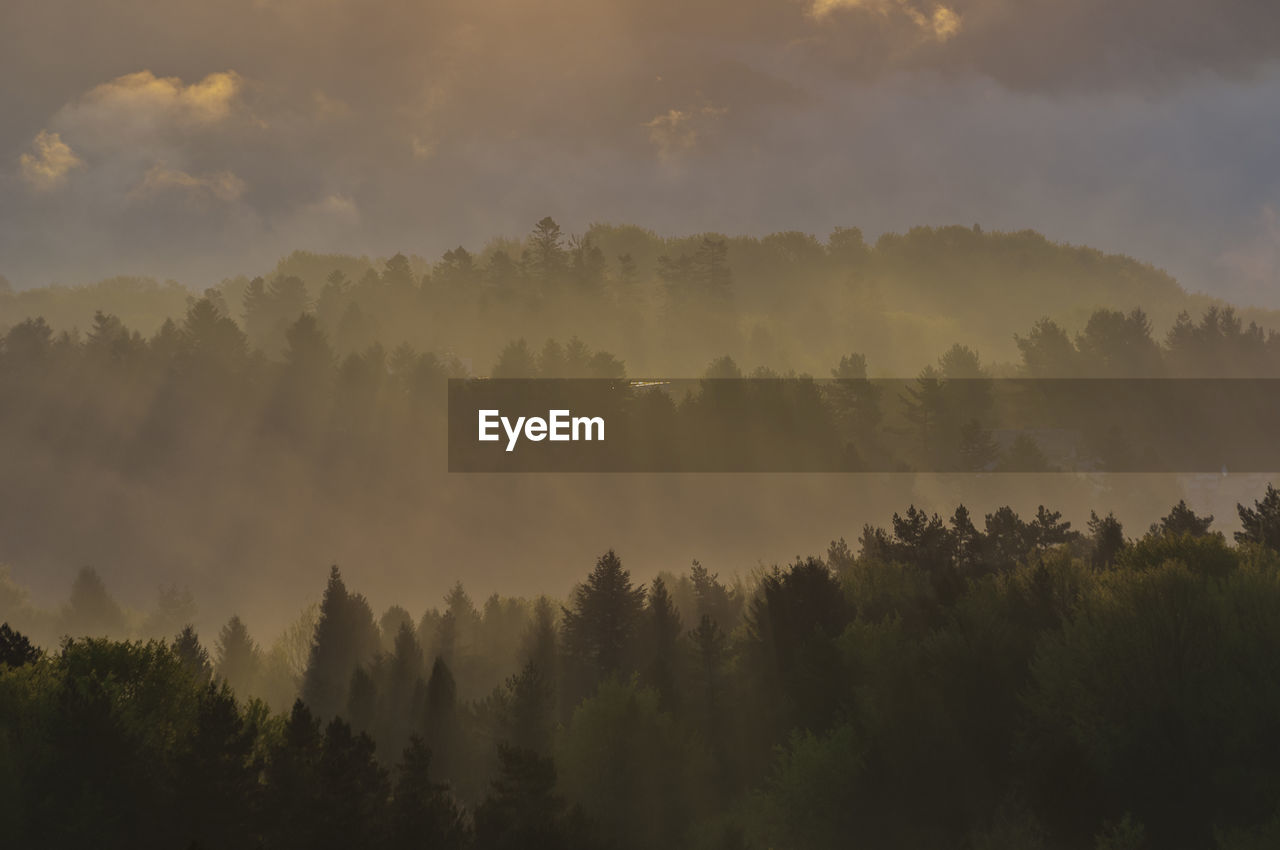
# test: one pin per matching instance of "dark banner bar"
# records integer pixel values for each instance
(919, 425)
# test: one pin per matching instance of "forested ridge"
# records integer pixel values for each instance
(983, 678)
(256, 426)
(666, 305)
(1002, 682)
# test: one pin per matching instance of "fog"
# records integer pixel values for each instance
(235, 443)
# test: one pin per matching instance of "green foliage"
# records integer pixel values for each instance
(632, 767)
(943, 686)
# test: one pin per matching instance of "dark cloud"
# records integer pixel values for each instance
(201, 139)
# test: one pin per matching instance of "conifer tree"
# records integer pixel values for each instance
(600, 624)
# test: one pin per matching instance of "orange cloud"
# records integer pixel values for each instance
(48, 166)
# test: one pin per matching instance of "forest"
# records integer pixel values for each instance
(1002, 683)
(1051, 661)
(269, 424)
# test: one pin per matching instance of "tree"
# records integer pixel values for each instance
(353, 790)
(390, 622)
(977, 449)
(1182, 520)
(423, 812)
(523, 811)
(1048, 529)
(291, 779)
(661, 632)
(1047, 352)
(923, 409)
(527, 711)
(967, 543)
(714, 600)
(1261, 523)
(1119, 345)
(587, 266)
(709, 694)
(1106, 539)
(91, 609)
(857, 400)
(217, 775)
(540, 646)
(702, 279)
(402, 692)
(345, 637)
(362, 701)
(921, 540)
(545, 257)
(631, 766)
(1009, 539)
(15, 649)
(441, 722)
(792, 625)
(1024, 455)
(599, 625)
(194, 657)
(239, 658)
(174, 609)
(515, 361)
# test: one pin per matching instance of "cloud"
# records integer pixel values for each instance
(938, 22)
(48, 166)
(677, 131)
(141, 110)
(454, 119)
(205, 101)
(339, 206)
(160, 179)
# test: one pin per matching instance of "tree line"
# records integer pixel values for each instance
(788, 300)
(1013, 682)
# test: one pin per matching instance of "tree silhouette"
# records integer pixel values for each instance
(1261, 523)
(1182, 520)
(239, 660)
(345, 637)
(599, 625)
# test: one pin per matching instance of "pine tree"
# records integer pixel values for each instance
(345, 637)
(714, 600)
(1048, 529)
(362, 701)
(1106, 537)
(193, 656)
(1181, 520)
(402, 691)
(217, 775)
(527, 710)
(977, 449)
(15, 649)
(353, 790)
(523, 810)
(440, 728)
(92, 611)
(966, 543)
(1261, 522)
(662, 632)
(599, 626)
(423, 813)
(239, 658)
(291, 779)
(546, 258)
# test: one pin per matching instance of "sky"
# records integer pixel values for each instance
(198, 140)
